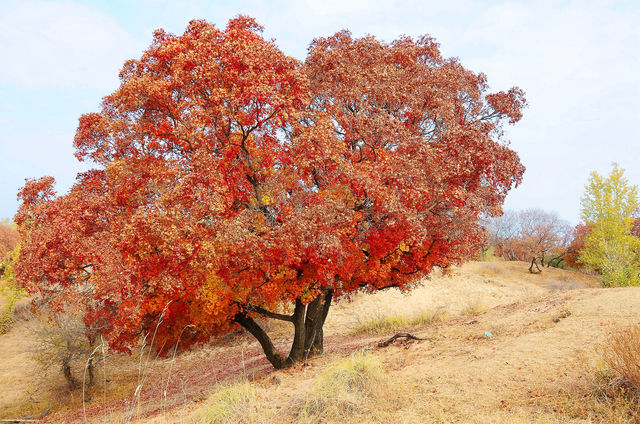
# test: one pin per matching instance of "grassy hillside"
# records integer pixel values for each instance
(501, 346)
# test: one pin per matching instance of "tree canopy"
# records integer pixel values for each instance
(232, 181)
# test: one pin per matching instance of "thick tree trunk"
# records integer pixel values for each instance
(317, 312)
(296, 354)
(308, 337)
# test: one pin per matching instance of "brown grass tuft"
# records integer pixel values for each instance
(233, 403)
(622, 354)
(474, 306)
(600, 398)
(342, 391)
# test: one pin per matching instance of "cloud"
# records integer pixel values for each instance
(61, 45)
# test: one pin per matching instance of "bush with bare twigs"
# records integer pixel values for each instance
(622, 354)
(63, 342)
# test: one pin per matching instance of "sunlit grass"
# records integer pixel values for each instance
(388, 323)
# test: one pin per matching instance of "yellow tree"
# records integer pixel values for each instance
(608, 206)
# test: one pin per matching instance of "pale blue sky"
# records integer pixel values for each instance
(577, 61)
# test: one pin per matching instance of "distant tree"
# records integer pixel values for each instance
(635, 228)
(531, 235)
(608, 206)
(8, 238)
(234, 182)
(576, 246)
(544, 236)
(504, 233)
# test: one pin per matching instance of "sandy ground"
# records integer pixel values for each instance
(546, 330)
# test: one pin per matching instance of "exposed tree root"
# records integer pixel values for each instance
(398, 336)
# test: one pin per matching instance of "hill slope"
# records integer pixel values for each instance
(544, 331)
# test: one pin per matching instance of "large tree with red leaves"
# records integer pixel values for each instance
(232, 181)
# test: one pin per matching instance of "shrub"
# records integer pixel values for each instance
(489, 255)
(622, 354)
(11, 295)
(9, 291)
(62, 341)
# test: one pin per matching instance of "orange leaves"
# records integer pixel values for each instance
(509, 104)
(90, 134)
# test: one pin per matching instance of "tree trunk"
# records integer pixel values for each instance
(90, 370)
(308, 337)
(66, 370)
(317, 312)
(534, 262)
(296, 354)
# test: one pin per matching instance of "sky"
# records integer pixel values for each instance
(577, 61)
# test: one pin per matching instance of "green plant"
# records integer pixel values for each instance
(489, 255)
(10, 291)
(11, 295)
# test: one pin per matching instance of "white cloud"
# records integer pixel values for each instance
(61, 45)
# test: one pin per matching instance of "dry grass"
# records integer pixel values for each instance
(622, 354)
(28, 389)
(489, 269)
(233, 403)
(596, 397)
(343, 390)
(389, 323)
(474, 306)
(562, 314)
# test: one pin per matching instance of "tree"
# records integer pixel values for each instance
(543, 236)
(580, 233)
(233, 181)
(503, 233)
(529, 235)
(8, 239)
(608, 206)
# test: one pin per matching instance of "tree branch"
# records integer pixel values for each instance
(269, 314)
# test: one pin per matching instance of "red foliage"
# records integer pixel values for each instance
(232, 179)
(635, 229)
(580, 233)
(8, 240)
